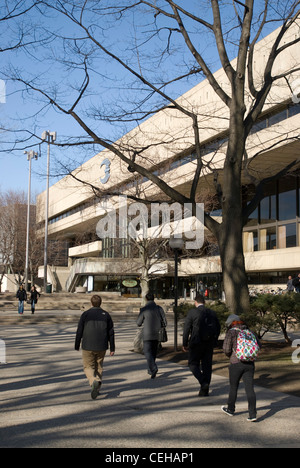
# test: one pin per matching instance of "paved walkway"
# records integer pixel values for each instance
(45, 400)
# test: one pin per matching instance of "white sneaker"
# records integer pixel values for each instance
(252, 419)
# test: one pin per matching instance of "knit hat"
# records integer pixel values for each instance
(232, 318)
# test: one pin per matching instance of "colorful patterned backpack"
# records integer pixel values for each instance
(247, 346)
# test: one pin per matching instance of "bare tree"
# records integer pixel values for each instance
(13, 221)
(171, 48)
(13, 233)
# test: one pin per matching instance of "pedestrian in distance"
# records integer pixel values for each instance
(201, 332)
(95, 333)
(290, 286)
(33, 298)
(22, 296)
(241, 346)
(153, 318)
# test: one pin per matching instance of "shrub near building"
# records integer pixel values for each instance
(270, 313)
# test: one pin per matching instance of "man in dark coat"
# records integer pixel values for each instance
(22, 296)
(201, 332)
(96, 332)
(153, 318)
(296, 283)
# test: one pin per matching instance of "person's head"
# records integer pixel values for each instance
(21, 286)
(233, 321)
(199, 300)
(150, 297)
(96, 301)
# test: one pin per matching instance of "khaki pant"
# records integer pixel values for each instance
(93, 365)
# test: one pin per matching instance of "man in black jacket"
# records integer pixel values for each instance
(22, 296)
(201, 332)
(296, 283)
(95, 331)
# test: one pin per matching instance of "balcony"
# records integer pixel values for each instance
(87, 250)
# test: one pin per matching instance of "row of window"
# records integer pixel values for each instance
(266, 122)
(275, 224)
(278, 236)
(281, 203)
(208, 148)
(74, 210)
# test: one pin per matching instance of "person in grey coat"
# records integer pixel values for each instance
(153, 318)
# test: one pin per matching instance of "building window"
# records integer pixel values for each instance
(268, 210)
(277, 218)
(287, 236)
(250, 240)
(287, 198)
(267, 238)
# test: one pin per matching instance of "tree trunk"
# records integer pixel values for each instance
(230, 232)
(233, 267)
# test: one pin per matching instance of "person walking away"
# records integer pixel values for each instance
(153, 318)
(96, 333)
(241, 366)
(201, 332)
(22, 296)
(296, 283)
(33, 298)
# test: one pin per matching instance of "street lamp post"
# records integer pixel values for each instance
(50, 137)
(176, 245)
(30, 155)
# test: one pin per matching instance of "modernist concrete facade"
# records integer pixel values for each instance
(272, 236)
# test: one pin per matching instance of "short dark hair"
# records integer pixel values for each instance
(96, 301)
(150, 296)
(200, 299)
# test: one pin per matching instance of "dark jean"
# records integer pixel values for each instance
(245, 371)
(200, 362)
(150, 352)
(21, 307)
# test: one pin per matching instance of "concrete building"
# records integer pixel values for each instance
(272, 235)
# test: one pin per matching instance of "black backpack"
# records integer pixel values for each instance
(295, 282)
(208, 326)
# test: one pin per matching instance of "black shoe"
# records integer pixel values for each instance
(204, 391)
(227, 411)
(154, 374)
(95, 389)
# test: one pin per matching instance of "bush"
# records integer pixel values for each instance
(218, 306)
(183, 309)
(270, 312)
(222, 312)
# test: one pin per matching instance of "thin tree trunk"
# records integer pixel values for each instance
(233, 267)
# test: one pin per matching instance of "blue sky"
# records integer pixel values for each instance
(106, 86)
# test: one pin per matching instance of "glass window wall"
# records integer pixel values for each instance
(267, 238)
(287, 198)
(276, 223)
